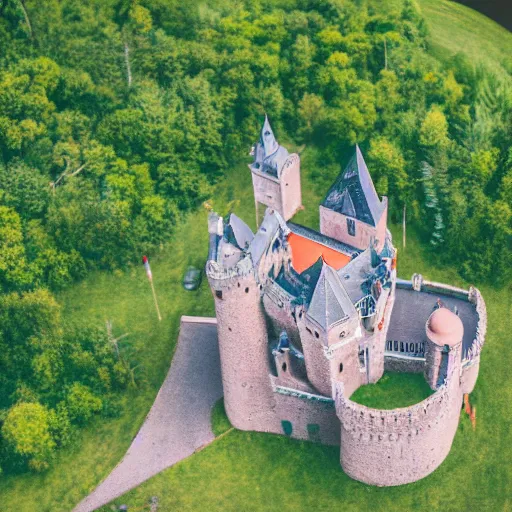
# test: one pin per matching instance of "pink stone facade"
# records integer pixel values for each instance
(283, 194)
(294, 347)
(334, 224)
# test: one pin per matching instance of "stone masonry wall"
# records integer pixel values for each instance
(267, 190)
(280, 317)
(317, 365)
(395, 447)
(403, 364)
(242, 334)
(334, 224)
(290, 186)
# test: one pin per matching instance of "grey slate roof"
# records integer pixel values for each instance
(269, 156)
(264, 235)
(353, 193)
(330, 302)
(241, 231)
(354, 275)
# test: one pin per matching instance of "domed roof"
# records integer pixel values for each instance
(444, 327)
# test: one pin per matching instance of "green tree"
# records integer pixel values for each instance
(26, 431)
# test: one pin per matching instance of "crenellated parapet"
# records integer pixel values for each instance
(393, 424)
(475, 297)
(395, 447)
(220, 276)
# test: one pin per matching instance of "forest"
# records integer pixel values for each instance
(117, 117)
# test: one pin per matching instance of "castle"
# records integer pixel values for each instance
(305, 318)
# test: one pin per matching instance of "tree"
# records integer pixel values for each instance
(14, 271)
(26, 430)
(434, 129)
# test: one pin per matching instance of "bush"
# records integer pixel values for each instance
(82, 403)
(27, 434)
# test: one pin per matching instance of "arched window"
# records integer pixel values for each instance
(287, 427)
(341, 367)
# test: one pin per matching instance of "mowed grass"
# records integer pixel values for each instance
(456, 28)
(263, 472)
(249, 471)
(393, 390)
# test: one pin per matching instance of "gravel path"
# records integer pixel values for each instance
(179, 420)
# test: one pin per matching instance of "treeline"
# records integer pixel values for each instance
(117, 116)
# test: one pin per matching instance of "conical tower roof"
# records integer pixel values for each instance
(330, 302)
(353, 193)
(267, 138)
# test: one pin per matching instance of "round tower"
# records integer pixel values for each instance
(444, 331)
(243, 345)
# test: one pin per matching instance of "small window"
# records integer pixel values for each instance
(247, 290)
(218, 294)
(313, 432)
(342, 334)
(341, 367)
(287, 427)
(362, 361)
(317, 335)
(351, 227)
(284, 367)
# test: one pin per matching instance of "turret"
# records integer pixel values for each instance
(275, 175)
(352, 212)
(241, 328)
(444, 341)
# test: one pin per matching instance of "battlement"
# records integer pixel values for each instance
(390, 425)
(475, 297)
(220, 276)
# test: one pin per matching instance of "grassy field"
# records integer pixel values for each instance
(248, 471)
(393, 390)
(252, 471)
(456, 28)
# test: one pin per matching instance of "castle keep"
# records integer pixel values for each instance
(306, 317)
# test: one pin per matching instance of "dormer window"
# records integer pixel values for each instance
(351, 227)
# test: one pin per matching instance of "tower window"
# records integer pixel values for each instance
(341, 367)
(287, 427)
(351, 227)
(218, 294)
(247, 290)
(284, 367)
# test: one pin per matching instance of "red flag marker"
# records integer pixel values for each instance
(145, 262)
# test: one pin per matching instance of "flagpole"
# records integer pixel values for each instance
(156, 302)
(145, 261)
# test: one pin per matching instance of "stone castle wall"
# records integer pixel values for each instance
(334, 224)
(242, 334)
(279, 314)
(267, 190)
(395, 447)
(404, 364)
(290, 186)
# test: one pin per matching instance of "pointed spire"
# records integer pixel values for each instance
(354, 192)
(330, 302)
(267, 138)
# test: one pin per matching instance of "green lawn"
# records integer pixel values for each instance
(456, 28)
(393, 390)
(249, 471)
(253, 471)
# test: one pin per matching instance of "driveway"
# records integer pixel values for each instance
(179, 420)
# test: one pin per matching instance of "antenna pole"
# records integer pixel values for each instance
(403, 229)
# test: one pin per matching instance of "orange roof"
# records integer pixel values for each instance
(305, 252)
